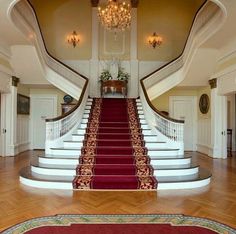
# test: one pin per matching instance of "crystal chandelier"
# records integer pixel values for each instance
(116, 16)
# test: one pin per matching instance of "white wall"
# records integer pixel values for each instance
(22, 138)
(204, 136)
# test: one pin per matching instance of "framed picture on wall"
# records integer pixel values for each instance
(23, 105)
(204, 103)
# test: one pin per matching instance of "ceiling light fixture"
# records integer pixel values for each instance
(116, 16)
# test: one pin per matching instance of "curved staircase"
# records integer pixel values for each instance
(111, 158)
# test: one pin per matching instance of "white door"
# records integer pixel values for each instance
(184, 108)
(224, 127)
(2, 126)
(42, 108)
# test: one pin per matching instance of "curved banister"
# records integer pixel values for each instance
(165, 65)
(155, 109)
(73, 109)
(56, 127)
(149, 83)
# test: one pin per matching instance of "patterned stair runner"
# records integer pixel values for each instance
(114, 155)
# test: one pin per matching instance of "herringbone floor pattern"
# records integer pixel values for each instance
(19, 203)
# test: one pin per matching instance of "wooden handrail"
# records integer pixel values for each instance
(165, 65)
(65, 65)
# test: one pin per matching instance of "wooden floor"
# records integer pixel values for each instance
(19, 203)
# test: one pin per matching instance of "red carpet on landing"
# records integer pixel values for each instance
(114, 155)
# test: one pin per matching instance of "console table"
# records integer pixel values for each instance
(114, 86)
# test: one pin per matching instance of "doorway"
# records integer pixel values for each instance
(43, 107)
(184, 108)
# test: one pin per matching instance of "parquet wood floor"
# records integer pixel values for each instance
(217, 201)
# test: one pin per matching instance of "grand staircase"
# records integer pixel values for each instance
(114, 148)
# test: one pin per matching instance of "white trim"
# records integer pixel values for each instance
(105, 51)
(54, 97)
(193, 99)
(3, 125)
(46, 184)
(184, 185)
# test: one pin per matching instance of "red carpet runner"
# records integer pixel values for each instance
(114, 155)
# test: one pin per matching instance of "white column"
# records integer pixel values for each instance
(218, 125)
(94, 65)
(134, 65)
(11, 121)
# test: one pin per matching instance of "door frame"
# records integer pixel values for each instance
(193, 99)
(34, 97)
(3, 125)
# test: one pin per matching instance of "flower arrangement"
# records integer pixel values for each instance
(105, 75)
(122, 75)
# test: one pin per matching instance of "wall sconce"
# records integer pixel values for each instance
(73, 39)
(155, 40)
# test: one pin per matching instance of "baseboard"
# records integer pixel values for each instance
(19, 148)
(204, 149)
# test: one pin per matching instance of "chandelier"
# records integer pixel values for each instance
(116, 16)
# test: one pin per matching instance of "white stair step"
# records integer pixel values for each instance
(83, 125)
(150, 138)
(85, 116)
(141, 116)
(73, 144)
(53, 171)
(155, 144)
(84, 120)
(143, 121)
(147, 132)
(162, 152)
(79, 143)
(66, 151)
(76, 137)
(80, 131)
(86, 111)
(59, 160)
(70, 170)
(32, 179)
(170, 161)
(176, 172)
(157, 172)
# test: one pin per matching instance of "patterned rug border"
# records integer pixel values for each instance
(66, 220)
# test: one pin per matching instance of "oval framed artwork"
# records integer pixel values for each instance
(204, 103)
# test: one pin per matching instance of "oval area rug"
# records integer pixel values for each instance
(120, 224)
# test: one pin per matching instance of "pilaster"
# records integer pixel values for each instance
(134, 65)
(94, 64)
(218, 122)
